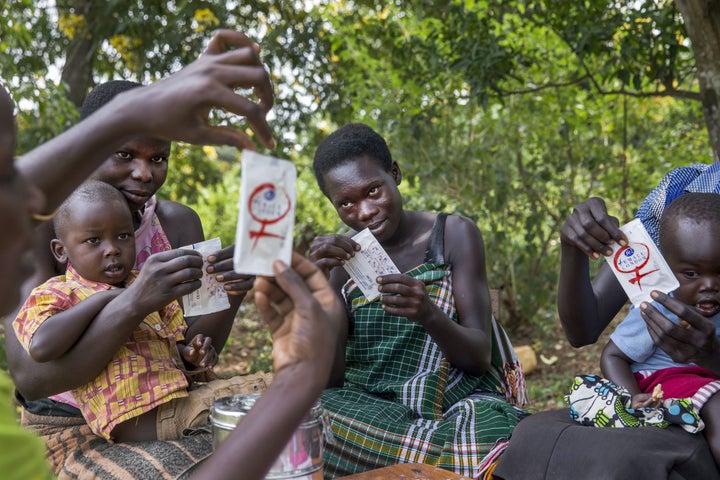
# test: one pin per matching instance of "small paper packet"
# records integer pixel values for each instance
(639, 266)
(369, 263)
(266, 214)
(211, 297)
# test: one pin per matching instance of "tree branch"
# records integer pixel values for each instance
(667, 92)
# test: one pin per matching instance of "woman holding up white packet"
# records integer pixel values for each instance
(425, 374)
(551, 441)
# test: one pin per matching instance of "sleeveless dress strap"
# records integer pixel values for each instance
(435, 252)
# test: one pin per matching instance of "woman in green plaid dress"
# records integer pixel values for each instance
(426, 374)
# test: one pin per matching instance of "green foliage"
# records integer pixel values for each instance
(314, 214)
(508, 112)
(641, 45)
(502, 117)
(28, 40)
(146, 40)
(48, 115)
(519, 167)
(205, 178)
(262, 362)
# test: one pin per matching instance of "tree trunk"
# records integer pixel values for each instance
(77, 73)
(702, 22)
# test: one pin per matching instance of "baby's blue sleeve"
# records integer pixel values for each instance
(632, 337)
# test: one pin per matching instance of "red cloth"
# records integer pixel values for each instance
(677, 382)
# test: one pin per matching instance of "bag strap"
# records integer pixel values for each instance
(506, 362)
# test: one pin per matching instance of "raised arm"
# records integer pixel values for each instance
(175, 108)
(586, 306)
(329, 253)
(303, 314)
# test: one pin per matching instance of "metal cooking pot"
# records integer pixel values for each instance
(302, 457)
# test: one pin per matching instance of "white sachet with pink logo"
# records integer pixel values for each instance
(369, 263)
(266, 214)
(639, 266)
(211, 297)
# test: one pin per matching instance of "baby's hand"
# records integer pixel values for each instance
(645, 400)
(199, 352)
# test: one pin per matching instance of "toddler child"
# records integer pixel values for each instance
(143, 393)
(689, 229)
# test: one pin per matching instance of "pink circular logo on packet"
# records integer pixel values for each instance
(267, 207)
(631, 259)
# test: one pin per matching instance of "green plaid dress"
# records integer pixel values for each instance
(403, 402)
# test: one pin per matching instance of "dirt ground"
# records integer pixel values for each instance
(557, 363)
(249, 347)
